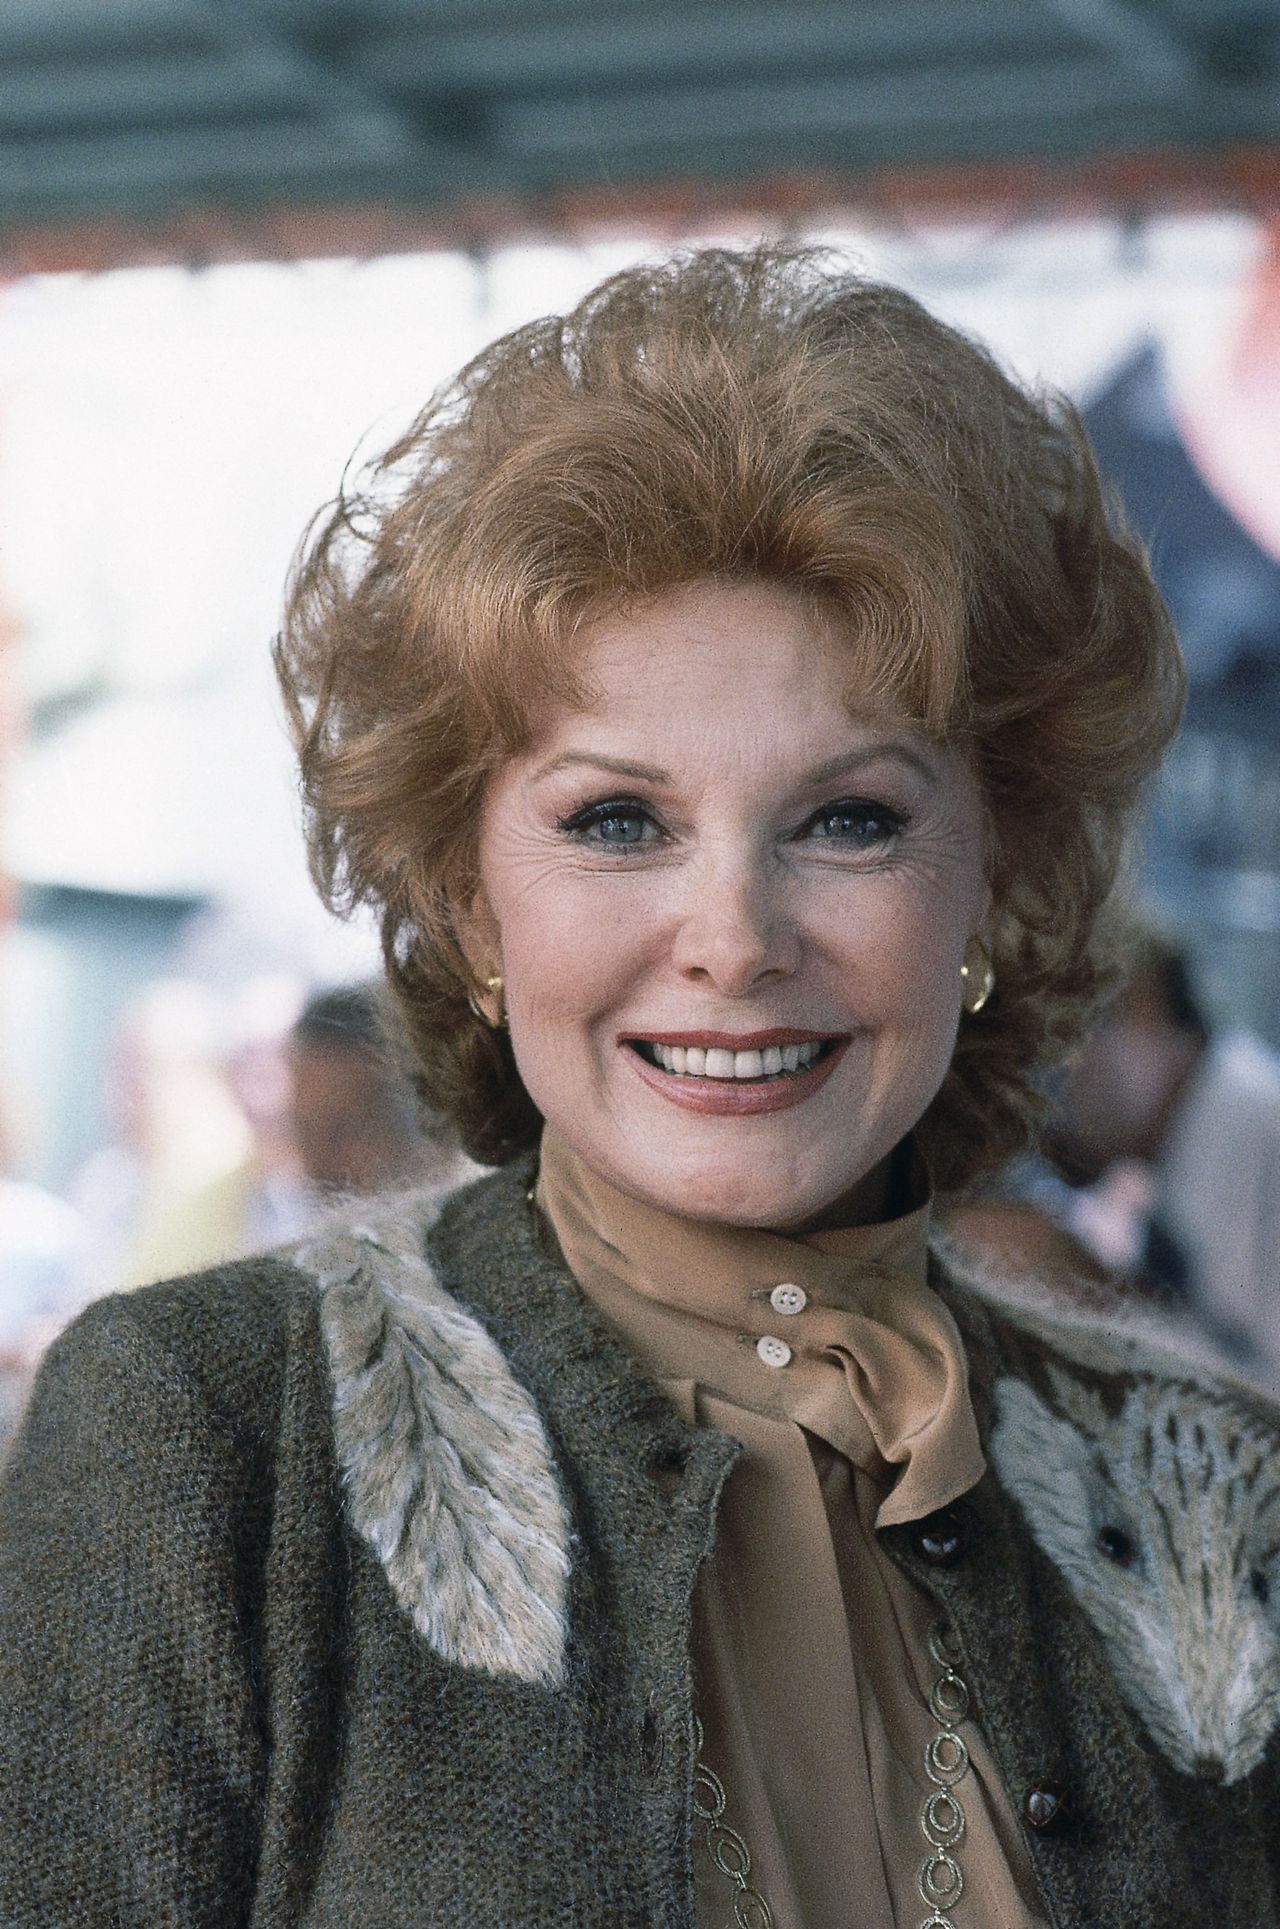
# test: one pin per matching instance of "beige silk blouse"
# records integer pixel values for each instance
(843, 1375)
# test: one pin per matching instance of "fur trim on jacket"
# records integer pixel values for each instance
(447, 1470)
(1151, 1479)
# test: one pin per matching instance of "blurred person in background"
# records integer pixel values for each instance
(733, 698)
(170, 1189)
(235, 1116)
(40, 1238)
(197, 1166)
(1169, 1137)
(277, 1202)
(236, 1119)
(353, 1113)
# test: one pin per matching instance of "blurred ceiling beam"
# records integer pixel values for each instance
(957, 110)
(333, 89)
(531, 56)
(167, 111)
(152, 171)
(1149, 46)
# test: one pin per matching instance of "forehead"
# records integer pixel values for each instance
(737, 646)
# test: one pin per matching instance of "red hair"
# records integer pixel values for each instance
(729, 414)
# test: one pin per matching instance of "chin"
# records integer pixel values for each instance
(734, 1193)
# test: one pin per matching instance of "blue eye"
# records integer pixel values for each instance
(618, 823)
(858, 822)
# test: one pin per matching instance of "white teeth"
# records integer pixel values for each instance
(693, 1062)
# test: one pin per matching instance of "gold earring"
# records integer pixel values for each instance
(977, 976)
(493, 988)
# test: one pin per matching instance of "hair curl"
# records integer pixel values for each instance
(769, 414)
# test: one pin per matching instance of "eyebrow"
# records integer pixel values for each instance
(903, 753)
(617, 766)
(834, 766)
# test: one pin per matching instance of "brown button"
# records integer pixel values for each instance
(941, 1539)
(1046, 1807)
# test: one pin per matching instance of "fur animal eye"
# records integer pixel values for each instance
(1116, 1545)
(1261, 1586)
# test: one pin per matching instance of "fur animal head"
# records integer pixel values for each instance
(1164, 1520)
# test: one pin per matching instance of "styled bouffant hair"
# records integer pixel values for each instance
(756, 414)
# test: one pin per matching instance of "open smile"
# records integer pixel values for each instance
(720, 1062)
(714, 1072)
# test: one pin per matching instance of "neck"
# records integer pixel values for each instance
(882, 1193)
(887, 1195)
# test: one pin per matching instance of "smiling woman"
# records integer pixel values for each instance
(757, 419)
(782, 873)
(732, 696)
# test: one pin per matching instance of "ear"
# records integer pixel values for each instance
(479, 934)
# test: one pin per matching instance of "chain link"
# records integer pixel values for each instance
(946, 1763)
(725, 1846)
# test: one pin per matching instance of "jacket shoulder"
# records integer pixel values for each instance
(1016, 1320)
(223, 1335)
(172, 1474)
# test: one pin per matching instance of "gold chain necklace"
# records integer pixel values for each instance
(946, 1763)
(724, 1844)
(942, 1817)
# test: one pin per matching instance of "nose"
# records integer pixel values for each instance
(736, 931)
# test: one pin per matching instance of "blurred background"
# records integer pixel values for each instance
(242, 239)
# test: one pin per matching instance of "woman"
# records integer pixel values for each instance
(733, 697)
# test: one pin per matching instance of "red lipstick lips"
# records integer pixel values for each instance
(737, 1098)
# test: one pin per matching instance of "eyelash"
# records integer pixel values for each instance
(893, 822)
(580, 824)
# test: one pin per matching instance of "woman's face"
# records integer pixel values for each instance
(730, 914)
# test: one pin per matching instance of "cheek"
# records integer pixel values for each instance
(904, 948)
(570, 953)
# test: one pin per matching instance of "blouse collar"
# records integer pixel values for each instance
(837, 1331)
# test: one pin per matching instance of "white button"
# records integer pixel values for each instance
(773, 1352)
(788, 1299)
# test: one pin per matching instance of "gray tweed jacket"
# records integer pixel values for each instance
(354, 1589)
